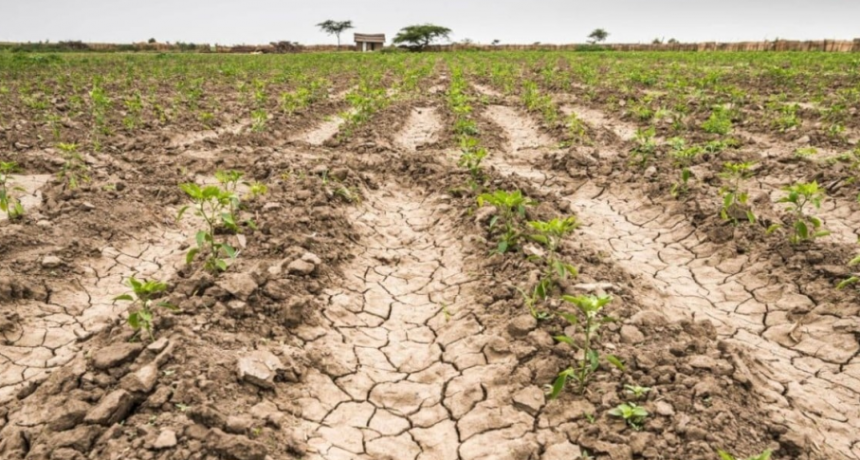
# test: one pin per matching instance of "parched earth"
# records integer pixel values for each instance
(365, 317)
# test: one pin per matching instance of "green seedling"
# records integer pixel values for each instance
(720, 122)
(646, 146)
(577, 130)
(142, 303)
(805, 152)
(806, 226)
(631, 413)
(212, 203)
(471, 156)
(636, 391)
(683, 157)
(74, 169)
(8, 202)
(256, 189)
(733, 193)
(853, 279)
(511, 208)
(550, 235)
(532, 300)
(587, 320)
(727, 456)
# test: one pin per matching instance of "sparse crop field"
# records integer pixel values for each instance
(458, 256)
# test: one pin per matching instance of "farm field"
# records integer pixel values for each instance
(477, 255)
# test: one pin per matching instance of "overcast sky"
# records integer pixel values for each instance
(511, 21)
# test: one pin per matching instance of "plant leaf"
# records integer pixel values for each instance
(615, 361)
(558, 385)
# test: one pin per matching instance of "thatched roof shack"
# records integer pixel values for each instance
(369, 42)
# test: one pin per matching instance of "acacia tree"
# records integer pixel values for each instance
(598, 36)
(335, 28)
(421, 36)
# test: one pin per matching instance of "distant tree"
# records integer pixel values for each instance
(151, 40)
(496, 42)
(467, 41)
(672, 41)
(657, 41)
(335, 28)
(421, 36)
(598, 36)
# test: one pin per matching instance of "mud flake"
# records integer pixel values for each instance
(388, 424)
(404, 447)
(405, 397)
(437, 442)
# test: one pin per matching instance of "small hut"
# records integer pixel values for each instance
(369, 42)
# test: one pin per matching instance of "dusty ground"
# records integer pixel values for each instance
(365, 317)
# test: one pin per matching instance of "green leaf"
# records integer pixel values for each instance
(571, 318)
(816, 222)
(167, 306)
(558, 385)
(564, 339)
(801, 229)
(751, 217)
(615, 361)
(854, 261)
(134, 321)
(772, 228)
(201, 238)
(848, 282)
(221, 265)
(503, 247)
(181, 212)
(231, 253)
(191, 255)
(124, 297)
(725, 455)
(593, 359)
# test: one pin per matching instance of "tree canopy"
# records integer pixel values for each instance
(335, 28)
(598, 35)
(420, 36)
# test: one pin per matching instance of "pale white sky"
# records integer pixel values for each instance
(511, 21)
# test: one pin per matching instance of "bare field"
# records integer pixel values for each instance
(512, 255)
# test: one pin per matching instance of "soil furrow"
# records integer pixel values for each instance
(421, 128)
(409, 358)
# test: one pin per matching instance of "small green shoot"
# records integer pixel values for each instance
(142, 303)
(511, 208)
(631, 413)
(587, 322)
(727, 456)
(806, 226)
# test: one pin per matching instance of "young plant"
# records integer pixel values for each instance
(853, 279)
(683, 157)
(806, 226)
(637, 391)
(646, 146)
(511, 208)
(8, 203)
(587, 321)
(727, 456)
(720, 122)
(74, 169)
(732, 192)
(142, 303)
(212, 203)
(471, 156)
(550, 235)
(631, 413)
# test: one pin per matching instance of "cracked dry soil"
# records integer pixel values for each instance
(381, 329)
